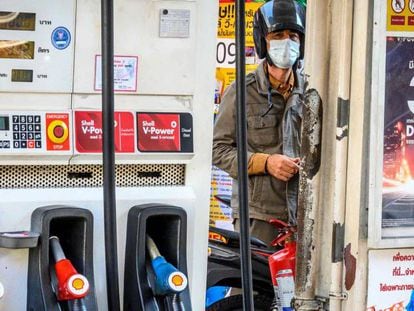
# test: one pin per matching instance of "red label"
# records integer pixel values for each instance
(88, 131)
(63, 120)
(158, 132)
(397, 20)
(411, 20)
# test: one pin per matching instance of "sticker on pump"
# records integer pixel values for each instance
(57, 132)
(165, 132)
(88, 132)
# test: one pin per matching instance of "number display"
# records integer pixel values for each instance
(17, 21)
(17, 49)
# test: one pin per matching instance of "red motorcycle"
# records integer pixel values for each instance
(273, 269)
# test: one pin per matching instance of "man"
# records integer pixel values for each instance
(274, 107)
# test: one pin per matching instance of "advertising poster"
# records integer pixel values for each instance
(398, 154)
(221, 182)
(400, 15)
(88, 132)
(391, 280)
(226, 44)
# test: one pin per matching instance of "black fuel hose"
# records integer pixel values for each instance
(77, 305)
(245, 253)
(108, 149)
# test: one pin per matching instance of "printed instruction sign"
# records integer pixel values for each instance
(164, 132)
(391, 280)
(125, 73)
(88, 132)
(174, 23)
(400, 15)
(398, 154)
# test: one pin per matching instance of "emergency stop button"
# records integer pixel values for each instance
(57, 131)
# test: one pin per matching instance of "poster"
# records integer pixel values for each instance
(391, 280)
(398, 152)
(125, 73)
(226, 45)
(221, 182)
(400, 15)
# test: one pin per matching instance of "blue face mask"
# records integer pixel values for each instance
(283, 53)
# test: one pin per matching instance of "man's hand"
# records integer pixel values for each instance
(282, 167)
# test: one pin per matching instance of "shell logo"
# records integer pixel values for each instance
(78, 285)
(177, 281)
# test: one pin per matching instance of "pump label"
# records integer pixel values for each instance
(165, 132)
(88, 131)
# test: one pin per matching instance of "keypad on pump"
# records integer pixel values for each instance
(27, 132)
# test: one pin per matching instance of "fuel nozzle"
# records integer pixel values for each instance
(71, 284)
(168, 279)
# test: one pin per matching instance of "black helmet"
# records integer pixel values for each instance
(278, 15)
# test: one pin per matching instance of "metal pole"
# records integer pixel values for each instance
(307, 203)
(343, 47)
(111, 254)
(246, 267)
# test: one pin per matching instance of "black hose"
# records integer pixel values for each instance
(77, 305)
(111, 254)
(246, 265)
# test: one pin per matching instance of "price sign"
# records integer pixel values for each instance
(226, 53)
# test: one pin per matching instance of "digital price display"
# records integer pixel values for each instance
(17, 49)
(4, 123)
(17, 21)
(22, 75)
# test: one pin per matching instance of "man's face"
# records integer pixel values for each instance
(281, 35)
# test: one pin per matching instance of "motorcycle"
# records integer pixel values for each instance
(273, 268)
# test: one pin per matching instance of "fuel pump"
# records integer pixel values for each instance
(51, 138)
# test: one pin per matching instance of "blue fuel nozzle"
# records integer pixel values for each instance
(168, 279)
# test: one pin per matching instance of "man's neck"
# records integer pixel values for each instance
(279, 74)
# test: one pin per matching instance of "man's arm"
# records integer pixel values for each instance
(224, 138)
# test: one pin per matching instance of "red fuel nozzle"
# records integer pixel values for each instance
(71, 285)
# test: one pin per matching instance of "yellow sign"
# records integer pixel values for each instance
(400, 15)
(226, 27)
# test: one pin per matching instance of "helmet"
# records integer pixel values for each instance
(278, 15)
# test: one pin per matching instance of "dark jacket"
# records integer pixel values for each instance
(268, 131)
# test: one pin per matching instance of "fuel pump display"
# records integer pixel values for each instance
(16, 49)
(36, 49)
(17, 21)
